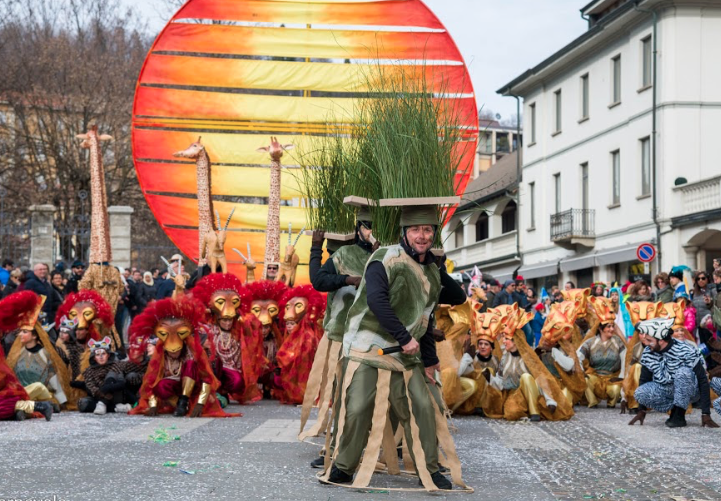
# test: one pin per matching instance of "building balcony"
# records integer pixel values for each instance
(574, 228)
(700, 196)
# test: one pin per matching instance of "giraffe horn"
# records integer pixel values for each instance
(240, 254)
(217, 216)
(298, 237)
(249, 257)
(290, 231)
(227, 222)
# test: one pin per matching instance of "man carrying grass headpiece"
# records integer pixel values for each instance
(400, 288)
(340, 277)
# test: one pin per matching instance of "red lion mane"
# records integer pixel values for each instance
(214, 282)
(104, 312)
(14, 307)
(266, 290)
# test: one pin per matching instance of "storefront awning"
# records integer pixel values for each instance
(578, 263)
(539, 270)
(619, 255)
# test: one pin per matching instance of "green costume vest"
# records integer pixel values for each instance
(348, 260)
(413, 289)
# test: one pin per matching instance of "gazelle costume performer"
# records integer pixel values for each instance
(291, 260)
(100, 275)
(525, 385)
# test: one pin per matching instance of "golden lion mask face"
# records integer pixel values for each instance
(603, 308)
(578, 295)
(85, 313)
(570, 309)
(265, 310)
(556, 327)
(173, 332)
(225, 304)
(489, 325)
(294, 312)
(644, 310)
(675, 310)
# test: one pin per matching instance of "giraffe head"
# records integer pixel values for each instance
(275, 149)
(92, 136)
(193, 151)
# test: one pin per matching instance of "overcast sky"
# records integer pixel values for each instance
(499, 39)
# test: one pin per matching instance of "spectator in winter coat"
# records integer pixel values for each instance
(663, 288)
(38, 283)
(76, 274)
(7, 267)
(703, 295)
(506, 295)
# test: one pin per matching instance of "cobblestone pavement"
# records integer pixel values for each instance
(596, 455)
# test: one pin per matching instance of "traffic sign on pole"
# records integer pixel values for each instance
(646, 253)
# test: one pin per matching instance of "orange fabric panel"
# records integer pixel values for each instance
(177, 211)
(225, 180)
(396, 13)
(288, 75)
(290, 42)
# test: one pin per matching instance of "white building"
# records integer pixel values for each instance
(587, 193)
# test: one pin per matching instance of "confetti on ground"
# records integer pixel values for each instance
(172, 464)
(161, 435)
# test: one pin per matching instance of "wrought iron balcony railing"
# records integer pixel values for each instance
(573, 223)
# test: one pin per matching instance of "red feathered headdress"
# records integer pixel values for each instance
(267, 290)
(104, 312)
(20, 309)
(316, 303)
(214, 282)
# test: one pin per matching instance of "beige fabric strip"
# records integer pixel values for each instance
(328, 431)
(380, 414)
(315, 380)
(417, 448)
(347, 378)
(446, 444)
(325, 395)
(408, 463)
(390, 452)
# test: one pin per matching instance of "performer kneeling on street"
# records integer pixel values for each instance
(400, 289)
(672, 376)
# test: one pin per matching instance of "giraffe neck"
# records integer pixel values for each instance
(205, 201)
(272, 235)
(99, 222)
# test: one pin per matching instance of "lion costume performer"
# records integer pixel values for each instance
(579, 299)
(95, 321)
(15, 403)
(179, 377)
(265, 306)
(302, 309)
(35, 360)
(235, 335)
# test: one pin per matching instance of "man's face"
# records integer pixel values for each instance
(366, 231)
(294, 312)
(271, 271)
(653, 343)
(126, 274)
(673, 281)
(78, 271)
(420, 238)
(41, 271)
(57, 280)
(137, 276)
(484, 348)
(511, 288)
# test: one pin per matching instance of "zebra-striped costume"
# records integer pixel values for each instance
(674, 376)
(716, 386)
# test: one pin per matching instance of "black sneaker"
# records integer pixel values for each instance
(45, 409)
(56, 408)
(317, 462)
(20, 416)
(535, 418)
(339, 477)
(182, 408)
(442, 469)
(440, 481)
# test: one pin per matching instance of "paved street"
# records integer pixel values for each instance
(593, 456)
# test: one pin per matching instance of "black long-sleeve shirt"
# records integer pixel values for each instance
(379, 303)
(324, 278)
